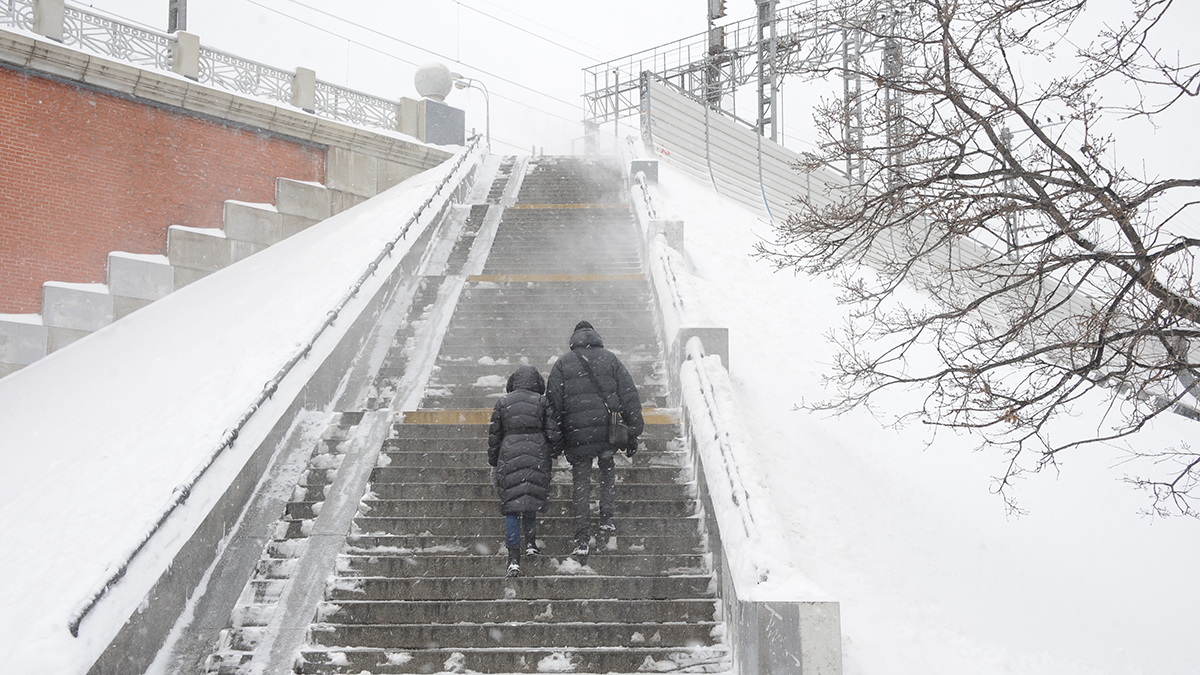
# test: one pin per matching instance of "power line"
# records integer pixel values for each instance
(418, 47)
(527, 32)
(606, 53)
(403, 60)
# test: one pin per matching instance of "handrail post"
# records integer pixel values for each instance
(48, 18)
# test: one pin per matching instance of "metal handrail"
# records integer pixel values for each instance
(180, 494)
(106, 36)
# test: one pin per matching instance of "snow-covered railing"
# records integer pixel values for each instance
(776, 621)
(640, 179)
(457, 174)
(105, 36)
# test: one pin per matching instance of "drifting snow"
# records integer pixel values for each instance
(933, 576)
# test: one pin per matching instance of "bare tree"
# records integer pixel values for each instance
(1048, 271)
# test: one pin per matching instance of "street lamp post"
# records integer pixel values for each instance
(461, 82)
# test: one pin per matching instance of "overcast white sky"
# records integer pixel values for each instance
(530, 55)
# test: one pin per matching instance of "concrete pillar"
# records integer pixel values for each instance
(671, 230)
(715, 341)
(186, 55)
(48, 16)
(410, 117)
(304, 89)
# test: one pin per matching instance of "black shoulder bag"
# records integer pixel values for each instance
(618, 432)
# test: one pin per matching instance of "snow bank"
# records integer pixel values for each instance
(900, 527)
(96, 437)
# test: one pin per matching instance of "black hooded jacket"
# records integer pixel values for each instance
(522, 441)
(579, 408)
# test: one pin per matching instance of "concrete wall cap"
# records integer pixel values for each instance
(29, 319)
(208, 231)
(142, 257)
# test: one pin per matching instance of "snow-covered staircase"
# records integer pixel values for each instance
(419, 584)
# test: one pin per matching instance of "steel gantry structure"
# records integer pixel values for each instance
(711, 67)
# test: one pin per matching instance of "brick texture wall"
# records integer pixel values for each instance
(83, 173)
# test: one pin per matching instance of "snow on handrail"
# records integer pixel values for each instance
(183, 491)
(715, 431)
(640, 179)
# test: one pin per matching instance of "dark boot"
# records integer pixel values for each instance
(514, 561)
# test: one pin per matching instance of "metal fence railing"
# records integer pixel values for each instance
(105, 36)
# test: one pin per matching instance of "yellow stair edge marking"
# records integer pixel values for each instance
(484, 416)
(617, 205)
(502, 278)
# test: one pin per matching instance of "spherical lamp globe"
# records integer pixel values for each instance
(433, 81)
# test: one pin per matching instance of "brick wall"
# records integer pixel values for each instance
(83, 173)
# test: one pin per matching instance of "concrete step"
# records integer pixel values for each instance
(549, 527)
(481, 475)
(450, 451)
(641, 657)
(488, 544)
(529, 635)
(425, 508)
(442, 395)
(467, 565)
(665, 432)
(574, 610)
(524, 588)
(629, 492)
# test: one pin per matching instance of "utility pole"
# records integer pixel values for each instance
(176, 15)
(767, 78)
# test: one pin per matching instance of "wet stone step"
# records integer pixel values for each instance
(534, 611)
(632, 659)
(442, 395)
(423, 508)
(492, 543)
(540, 635)
(467, 565)
(527, 588)
(425, 432)
(628, 492)
(482, 474)
(549, 527)
(467, 449)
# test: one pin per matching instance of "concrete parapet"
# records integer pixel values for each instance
(145, 277)
(81, 307)
(22, 341)
(352, 172)
(299, 198)
(58, 337)
(48, 18)
(56, 60)
(671, 230)
(390, 174)
(124, 306)
(257, 223)
(205, 249)
(187, 55)
(715, 341)
(187, 275)
(114, 75)
(344, 201)
(304, 89)
(290, 225)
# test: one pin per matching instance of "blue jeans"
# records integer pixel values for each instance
(513, 525)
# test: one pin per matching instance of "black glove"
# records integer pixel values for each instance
(633, 447)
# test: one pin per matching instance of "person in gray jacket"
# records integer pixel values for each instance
(581, 402)
(523, 440)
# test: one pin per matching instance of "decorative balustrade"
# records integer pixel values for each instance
(143, 47)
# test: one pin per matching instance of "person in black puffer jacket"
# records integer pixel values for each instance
(523, 441)
(583, 419)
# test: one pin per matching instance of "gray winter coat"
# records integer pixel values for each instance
(579, 408)
(522, 441)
